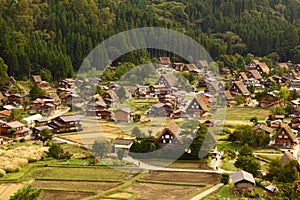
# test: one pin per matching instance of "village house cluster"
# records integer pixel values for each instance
(172, 101)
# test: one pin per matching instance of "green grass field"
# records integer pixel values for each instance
(245, 113)
(227, 145)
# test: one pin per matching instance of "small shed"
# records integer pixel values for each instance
(123, 115)
(243, 182)
(122, 144)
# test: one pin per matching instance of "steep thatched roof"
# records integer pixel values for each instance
(165, 60)
(288, 131)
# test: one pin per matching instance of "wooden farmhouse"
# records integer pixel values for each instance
(165, 61)
(203, 64)
(261, 127)
(285, 138)
(65, 123)
(13, 129)
(197, 107)
(168, 80)
(161, 110)
(15, 98)
(261, 67)
(111, 98)
(169, 135)
(269, 100)
(238, 88)
(36, 79)
(253, 73)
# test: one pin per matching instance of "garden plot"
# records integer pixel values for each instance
(162, 191)
(81, 186)
(183, 177)
(52, 194)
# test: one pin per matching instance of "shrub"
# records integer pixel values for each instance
(224, 179)
(22, 140)
(2, 172)
(11, 168)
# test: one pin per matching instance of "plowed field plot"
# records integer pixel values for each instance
(183, 177)
(88, 173)
(162, 192)
(59, 195)
(75, 185)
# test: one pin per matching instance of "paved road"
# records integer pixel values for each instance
(207, 192)
(151, 167)
(59, 113)
(268, 154)
(62, 140)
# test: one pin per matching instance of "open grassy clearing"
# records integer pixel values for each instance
(227, 145)
(65, 195)
(268, 157)
(182, 177)
(159, 191)
(245, 113)
(229, 165)
(87, 173)
(75, 185)
(270, 151)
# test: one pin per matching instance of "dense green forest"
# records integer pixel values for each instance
(51, 37)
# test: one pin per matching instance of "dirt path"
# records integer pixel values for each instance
(207, 192)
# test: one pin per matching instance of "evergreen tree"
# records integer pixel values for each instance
(36, 91)
(25, 193)
(4, 79)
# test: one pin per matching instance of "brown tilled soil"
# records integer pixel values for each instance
(75, 185)
(59, 195)
(183, 177)
(162, 192)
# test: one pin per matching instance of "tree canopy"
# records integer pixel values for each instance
(101, 148)
(53, 37)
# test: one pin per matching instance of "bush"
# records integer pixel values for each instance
(224, 179)
(57, 152)
(2, 172)
(22, 140)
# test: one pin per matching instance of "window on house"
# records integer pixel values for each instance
(279, 136)
(164, 141)
(285, 136)
(167, 136)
